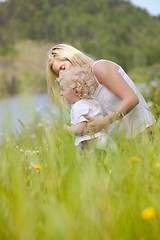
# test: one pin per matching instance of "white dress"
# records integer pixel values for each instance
(139, 118)
(86, 107)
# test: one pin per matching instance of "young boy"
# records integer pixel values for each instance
(77, 89)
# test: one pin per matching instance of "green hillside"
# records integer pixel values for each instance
(24, 72)
(110, 29)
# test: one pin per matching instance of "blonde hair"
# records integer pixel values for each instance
(80, 81)
(65, 52)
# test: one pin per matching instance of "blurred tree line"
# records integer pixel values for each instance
(110, 29)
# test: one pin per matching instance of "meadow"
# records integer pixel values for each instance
(51, 190)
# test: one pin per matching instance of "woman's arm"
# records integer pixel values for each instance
(108, 75)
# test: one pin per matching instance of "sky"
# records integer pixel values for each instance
(152, 6)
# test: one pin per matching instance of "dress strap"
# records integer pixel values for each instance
(93, 71)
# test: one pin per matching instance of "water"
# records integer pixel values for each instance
(21, 108)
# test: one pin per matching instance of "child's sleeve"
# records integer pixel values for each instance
(78, 111)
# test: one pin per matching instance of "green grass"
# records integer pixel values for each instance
(77, 194)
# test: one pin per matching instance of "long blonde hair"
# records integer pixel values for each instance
(65, 52)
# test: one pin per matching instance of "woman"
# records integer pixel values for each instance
(114, 90)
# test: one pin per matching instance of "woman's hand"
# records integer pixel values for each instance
(95, 125)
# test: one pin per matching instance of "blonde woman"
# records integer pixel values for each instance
(77, 89)
(114, 90)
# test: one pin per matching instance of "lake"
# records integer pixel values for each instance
(23, 108)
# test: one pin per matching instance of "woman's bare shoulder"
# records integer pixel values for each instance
(104, 68)
(103, 65)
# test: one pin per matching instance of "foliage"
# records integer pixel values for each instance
(25, 72)
(145, 74)
(117, 31)
(52, 190)
(147, 81)
(111, 29)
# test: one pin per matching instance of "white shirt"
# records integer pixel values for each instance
(85, 107)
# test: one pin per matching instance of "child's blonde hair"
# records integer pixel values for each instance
(65, 52)
(80, 81)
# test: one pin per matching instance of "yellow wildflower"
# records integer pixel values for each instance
(37, 166)
(157, 165)
(135, 159)
(148, 213)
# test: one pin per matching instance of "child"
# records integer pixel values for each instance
(77, 88)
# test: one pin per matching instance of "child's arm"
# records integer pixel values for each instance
(77, 129)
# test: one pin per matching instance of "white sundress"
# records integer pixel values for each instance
(139, 118)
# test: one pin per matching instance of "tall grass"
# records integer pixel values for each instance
(51, 190)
